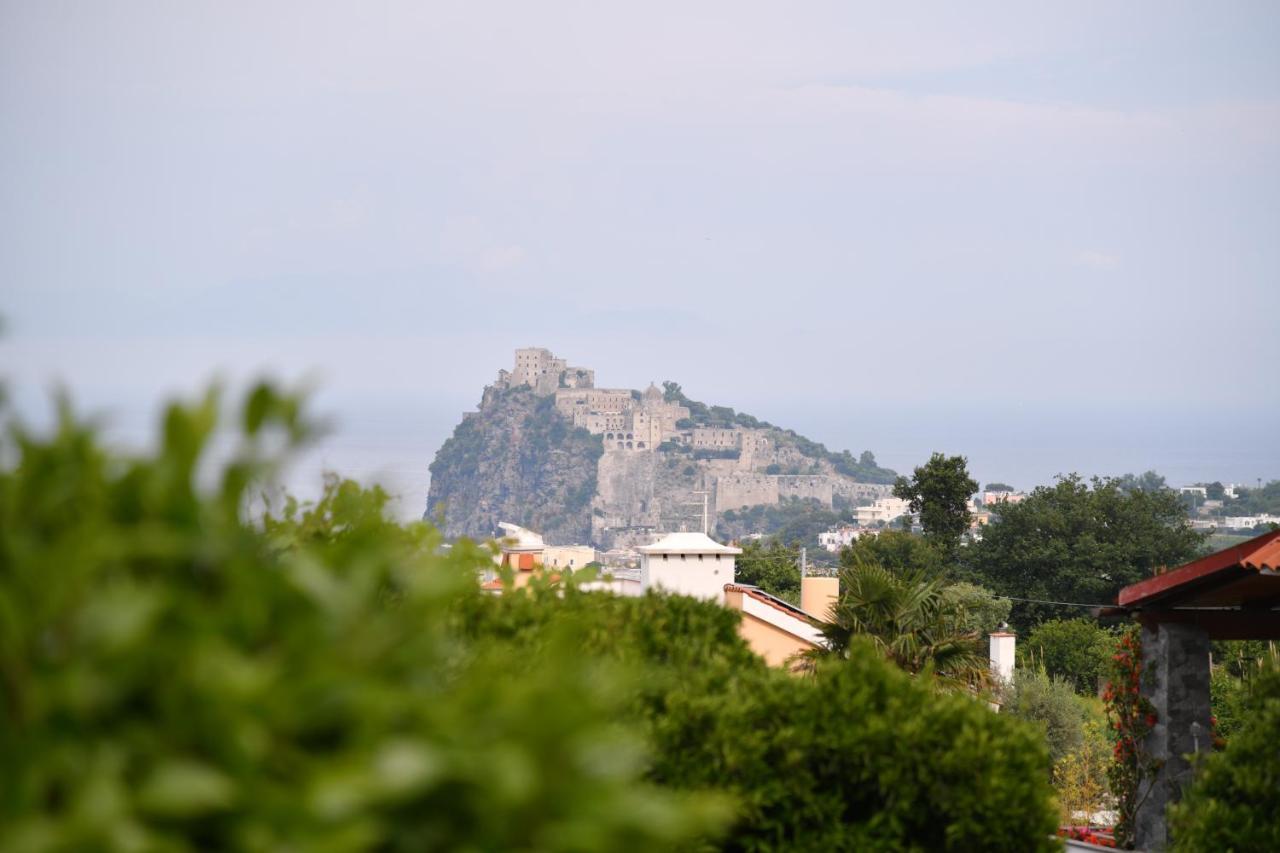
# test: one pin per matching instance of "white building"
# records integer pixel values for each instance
(838, 537)
(691, 564)
(884, 510)
(990, 499)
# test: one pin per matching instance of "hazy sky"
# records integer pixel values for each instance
(1045, 236)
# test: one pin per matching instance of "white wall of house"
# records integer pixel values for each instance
(697, 575)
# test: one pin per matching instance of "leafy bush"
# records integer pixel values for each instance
(1235, 798)
(175, 678)
(860, 757)
(1052, 704)
(1075, 650)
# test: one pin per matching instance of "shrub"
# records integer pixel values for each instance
(1052, 705)
(860, 757)
(1235, 798)
(1076, 650)
(175, 678)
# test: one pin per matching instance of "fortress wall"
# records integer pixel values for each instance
(815, 486)
(861, 492)
(739, 490)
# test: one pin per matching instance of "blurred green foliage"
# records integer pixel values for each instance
(175, 678)
(178, 675)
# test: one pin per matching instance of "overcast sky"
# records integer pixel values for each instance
(1051, 232)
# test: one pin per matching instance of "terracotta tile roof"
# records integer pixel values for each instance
(1190, 584)
(1266, 556)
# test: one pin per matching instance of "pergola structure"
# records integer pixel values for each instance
(1233, 594)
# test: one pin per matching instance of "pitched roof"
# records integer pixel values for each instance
(1188, 583)
(687, 543)
(1233, 593)
(780, 614)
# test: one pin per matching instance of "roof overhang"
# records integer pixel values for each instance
(1234, 594)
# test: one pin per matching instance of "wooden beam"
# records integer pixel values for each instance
(1221, 624)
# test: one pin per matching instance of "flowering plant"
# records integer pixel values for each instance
(1087, 834)
(1132, 717)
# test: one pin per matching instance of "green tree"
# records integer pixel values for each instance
(939, 491)
(1074, 650)
(773, 566)
(1148, 481)
(1235, 797)
(998, 487)
(1070, 542)
(911, 619)
(894, 549)
(978, 611)
(1215, 491)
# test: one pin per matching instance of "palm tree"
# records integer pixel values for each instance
(911, 619)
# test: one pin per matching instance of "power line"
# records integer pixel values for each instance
(1057, 603)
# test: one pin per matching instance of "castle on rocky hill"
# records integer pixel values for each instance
(735, 465)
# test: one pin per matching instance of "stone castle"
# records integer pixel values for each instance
(642, 490)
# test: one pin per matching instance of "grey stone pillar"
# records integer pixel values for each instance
(1175, 663)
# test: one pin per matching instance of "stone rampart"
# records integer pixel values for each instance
(736, 491)
(806, 486)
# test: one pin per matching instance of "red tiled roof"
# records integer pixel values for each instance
(1187, 583)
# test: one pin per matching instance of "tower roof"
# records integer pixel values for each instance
(687, 543)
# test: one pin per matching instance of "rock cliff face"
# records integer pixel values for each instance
(515, 460)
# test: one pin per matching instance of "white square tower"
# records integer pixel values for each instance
(688, 564)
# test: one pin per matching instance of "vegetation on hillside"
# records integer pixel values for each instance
(863, 468)
(792, 521)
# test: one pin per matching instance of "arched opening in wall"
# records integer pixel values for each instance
(609, 436)
(629, 435)
(640, 445)
(628, 445)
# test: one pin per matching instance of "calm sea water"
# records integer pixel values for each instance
(392, 444)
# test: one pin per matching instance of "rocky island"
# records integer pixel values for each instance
(614, 467)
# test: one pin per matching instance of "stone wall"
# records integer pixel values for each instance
(736, 491)
(815, 486)
(859, 493)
